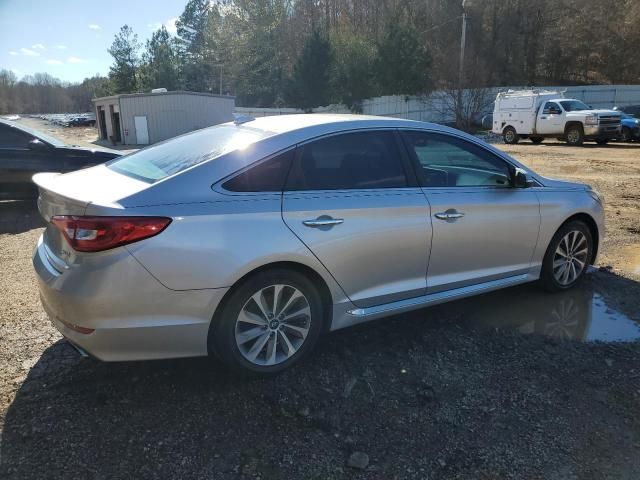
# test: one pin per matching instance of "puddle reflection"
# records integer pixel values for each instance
(578, 314)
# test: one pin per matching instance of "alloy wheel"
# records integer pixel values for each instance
(273, 325)
(570, 257)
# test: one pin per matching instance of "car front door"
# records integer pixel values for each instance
(483, 228)
(353, 200)
(550, 119)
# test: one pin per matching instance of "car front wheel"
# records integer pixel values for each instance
(567, 257)
(268, 323)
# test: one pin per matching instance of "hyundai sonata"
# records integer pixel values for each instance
(250, 240)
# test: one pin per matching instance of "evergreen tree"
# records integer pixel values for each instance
(124, 71)
(352, 74)
(310, 83)
(403, 64)
(161, 66)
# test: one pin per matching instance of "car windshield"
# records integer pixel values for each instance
(39, 135)
(173, 156)
(573, 105)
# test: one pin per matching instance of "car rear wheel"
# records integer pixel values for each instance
(268, 323)
(575, 135)
(510, 136)
(567, 257)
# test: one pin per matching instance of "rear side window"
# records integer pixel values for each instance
(173, 156)
(13, 138)
(268, 176)
(361, 160)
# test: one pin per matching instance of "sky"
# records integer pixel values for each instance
(69, 38)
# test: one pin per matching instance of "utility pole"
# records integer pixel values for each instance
(463, 40)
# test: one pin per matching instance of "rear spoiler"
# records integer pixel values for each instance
(51, 202)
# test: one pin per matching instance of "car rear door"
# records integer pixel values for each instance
(352, 199)
(18, 162)
(483, 228)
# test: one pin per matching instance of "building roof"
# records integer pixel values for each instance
(156, 94)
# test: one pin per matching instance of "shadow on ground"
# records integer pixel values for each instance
(429, 394)
(17, 216)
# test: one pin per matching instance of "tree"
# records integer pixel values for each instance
(310, 84)
(160, 62)
(196, 30)
(403, 64)
(124, 71)
(352, 74)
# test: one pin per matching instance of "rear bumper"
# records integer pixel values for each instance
(132, 315)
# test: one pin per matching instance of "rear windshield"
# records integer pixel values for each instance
(173, 156)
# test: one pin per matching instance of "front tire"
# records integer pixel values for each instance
(575, 135)
(567, 257)
(510, 136)
(269, 322)
(625, 135)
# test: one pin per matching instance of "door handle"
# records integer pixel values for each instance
(323, 221)
(449, 215)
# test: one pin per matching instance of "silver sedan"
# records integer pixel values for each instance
(250, 240)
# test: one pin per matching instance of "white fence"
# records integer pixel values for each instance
(437, 106)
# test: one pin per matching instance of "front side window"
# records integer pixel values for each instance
(268, 176)
(359, 160)
(446, 161)
(551, 108)
(173, 156)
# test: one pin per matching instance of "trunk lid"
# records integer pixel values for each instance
(71, 194)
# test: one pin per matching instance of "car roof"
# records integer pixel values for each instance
(287, 123)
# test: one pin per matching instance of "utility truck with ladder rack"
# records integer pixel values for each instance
(540, 114)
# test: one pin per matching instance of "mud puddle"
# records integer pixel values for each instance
(580, 314)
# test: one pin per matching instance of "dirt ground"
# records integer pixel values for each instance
(450, 392)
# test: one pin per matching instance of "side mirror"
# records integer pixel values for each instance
(521, 179)
(36, 144)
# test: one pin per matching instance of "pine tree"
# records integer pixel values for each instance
(124, 71)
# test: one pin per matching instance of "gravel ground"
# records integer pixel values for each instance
(431, 394)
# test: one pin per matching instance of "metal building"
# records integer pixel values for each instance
(144, 118)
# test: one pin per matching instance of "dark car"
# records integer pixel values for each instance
(24, 152)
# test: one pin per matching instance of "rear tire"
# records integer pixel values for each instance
(266, 338)
(567, 257)
(537, 140)
(575, 135)
(510, 136)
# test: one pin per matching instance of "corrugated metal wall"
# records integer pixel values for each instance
(172, 114)
(437, 106)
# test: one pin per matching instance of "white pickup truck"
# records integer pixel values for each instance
(538, 114)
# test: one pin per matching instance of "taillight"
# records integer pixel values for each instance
(94, 234)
